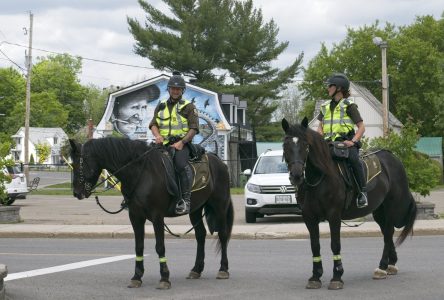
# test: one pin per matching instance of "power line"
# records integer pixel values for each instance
(82, 57)
(21, 68)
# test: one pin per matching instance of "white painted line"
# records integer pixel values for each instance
(61, 268)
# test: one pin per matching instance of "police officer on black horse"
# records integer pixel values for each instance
(336, 123)
(175, 123)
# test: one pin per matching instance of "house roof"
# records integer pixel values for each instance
(41, 134)
(375, 103)
(432, 146)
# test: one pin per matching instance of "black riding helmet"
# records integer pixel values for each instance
(176, 80)
(339, 80)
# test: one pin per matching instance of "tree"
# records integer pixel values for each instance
(95, 103)
(4, 151)
(43, 152)
(46, 111)
(58, 74)
(210, 37)
(415, 60)
(253, 45)
(422, 172)
(192, 41)
(289, 105)
(12, 92)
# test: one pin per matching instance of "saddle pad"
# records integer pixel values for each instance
(201, 173)
(372, 166)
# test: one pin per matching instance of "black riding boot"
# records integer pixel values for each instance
(362, 201)
(186, 180)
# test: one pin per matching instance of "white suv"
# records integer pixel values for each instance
(268, 190)
(17, 187)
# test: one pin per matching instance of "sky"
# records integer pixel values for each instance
(98, 30)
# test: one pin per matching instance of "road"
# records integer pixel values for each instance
(259, 269)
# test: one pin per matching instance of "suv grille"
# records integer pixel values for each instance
(277, 189)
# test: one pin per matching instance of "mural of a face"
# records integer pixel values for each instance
(132, 113)
(129, 116)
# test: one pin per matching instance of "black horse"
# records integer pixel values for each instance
(141, 171)
(323, 192)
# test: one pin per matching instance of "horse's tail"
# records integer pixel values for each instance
(410, 220)
(212, 223)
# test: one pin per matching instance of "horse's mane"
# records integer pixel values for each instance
(321, 157)
(117, 150)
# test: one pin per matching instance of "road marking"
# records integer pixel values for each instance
(61, 268)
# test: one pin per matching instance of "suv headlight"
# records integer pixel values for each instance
(254, 188)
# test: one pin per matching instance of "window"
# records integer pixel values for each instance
(271, 165)
(56, 140)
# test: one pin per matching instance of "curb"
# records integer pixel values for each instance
(240, 232)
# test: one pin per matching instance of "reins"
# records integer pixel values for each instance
(123, 205)
(167, 229)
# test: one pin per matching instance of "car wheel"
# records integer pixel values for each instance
(250, 217)
(8, 201)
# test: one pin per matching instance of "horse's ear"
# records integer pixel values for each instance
(285, 125)
(304, 122)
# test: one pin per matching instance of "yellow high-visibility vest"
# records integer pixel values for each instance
(172, 124)
(339, 123)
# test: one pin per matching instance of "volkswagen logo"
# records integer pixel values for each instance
(283, 189)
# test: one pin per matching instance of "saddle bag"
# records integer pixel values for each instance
(339, 150)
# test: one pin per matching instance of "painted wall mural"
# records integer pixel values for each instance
(133, 109)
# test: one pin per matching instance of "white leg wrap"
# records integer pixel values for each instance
(379, 274)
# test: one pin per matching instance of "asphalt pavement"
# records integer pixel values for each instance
(66, 217)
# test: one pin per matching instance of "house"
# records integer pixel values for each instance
(370, 109)
(54, 137)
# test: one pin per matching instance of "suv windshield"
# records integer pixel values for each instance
(14, 170)
(271, 164)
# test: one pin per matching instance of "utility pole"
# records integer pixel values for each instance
(28, 96)
(383, 45)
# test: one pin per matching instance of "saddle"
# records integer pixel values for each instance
(199, 165)
(372, 168)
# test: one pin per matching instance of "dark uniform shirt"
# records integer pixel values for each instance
(352, 111)
(189, 112)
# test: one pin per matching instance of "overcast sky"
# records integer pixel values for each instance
(97, 29)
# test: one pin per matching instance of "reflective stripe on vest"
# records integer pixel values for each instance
(338, 123)
(172, 124)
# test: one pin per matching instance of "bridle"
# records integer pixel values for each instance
(89, 189)
(304, 165)
(86, 184)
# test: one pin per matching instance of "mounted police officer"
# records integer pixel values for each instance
(336, 123)
(176, 122)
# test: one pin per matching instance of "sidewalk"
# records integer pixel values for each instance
(66, 217)
(247, 231)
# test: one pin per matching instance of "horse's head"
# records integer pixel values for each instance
(85, 170)
(295, 149)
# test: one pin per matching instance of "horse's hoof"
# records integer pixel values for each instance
(164, 285)
(313, 284)
(392, 270)
(223, 275)
(379, 274)
(336, 285)
(193, 275)
(135, 284)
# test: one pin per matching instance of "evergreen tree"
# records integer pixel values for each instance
(209, 37)
(192, 41)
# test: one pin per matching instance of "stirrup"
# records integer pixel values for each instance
(182, 207)
(362, 200)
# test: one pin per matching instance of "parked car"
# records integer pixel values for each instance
(268, 190)
(18, 187)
